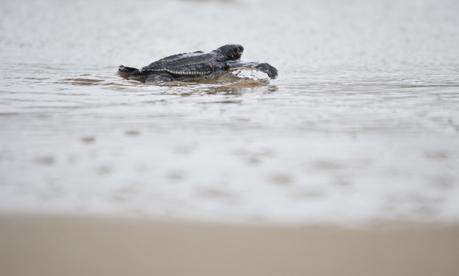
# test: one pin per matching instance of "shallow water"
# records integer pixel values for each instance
(362, 124)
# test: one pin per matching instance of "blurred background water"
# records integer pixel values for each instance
(361, 126)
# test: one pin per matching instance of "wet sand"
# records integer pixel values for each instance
(94, 246)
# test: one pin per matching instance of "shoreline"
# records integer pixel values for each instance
(59, 245)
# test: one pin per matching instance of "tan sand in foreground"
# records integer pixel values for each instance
(90, 246)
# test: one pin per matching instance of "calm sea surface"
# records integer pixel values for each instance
(361, 126)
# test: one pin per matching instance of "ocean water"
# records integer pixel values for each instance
(361, 126)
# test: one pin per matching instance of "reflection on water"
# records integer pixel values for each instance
(225, 84)
(362, 124)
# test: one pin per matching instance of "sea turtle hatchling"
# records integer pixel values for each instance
(196, 66)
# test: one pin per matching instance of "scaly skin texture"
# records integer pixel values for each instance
(195, 66)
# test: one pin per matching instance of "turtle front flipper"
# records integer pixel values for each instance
(267, 68)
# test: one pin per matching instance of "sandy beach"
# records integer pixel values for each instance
(250, 176)
(94, 246)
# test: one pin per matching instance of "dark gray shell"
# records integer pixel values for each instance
(186, 64)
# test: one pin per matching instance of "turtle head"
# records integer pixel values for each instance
(229, 52)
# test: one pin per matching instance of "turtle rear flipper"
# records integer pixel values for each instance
(130, 73)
